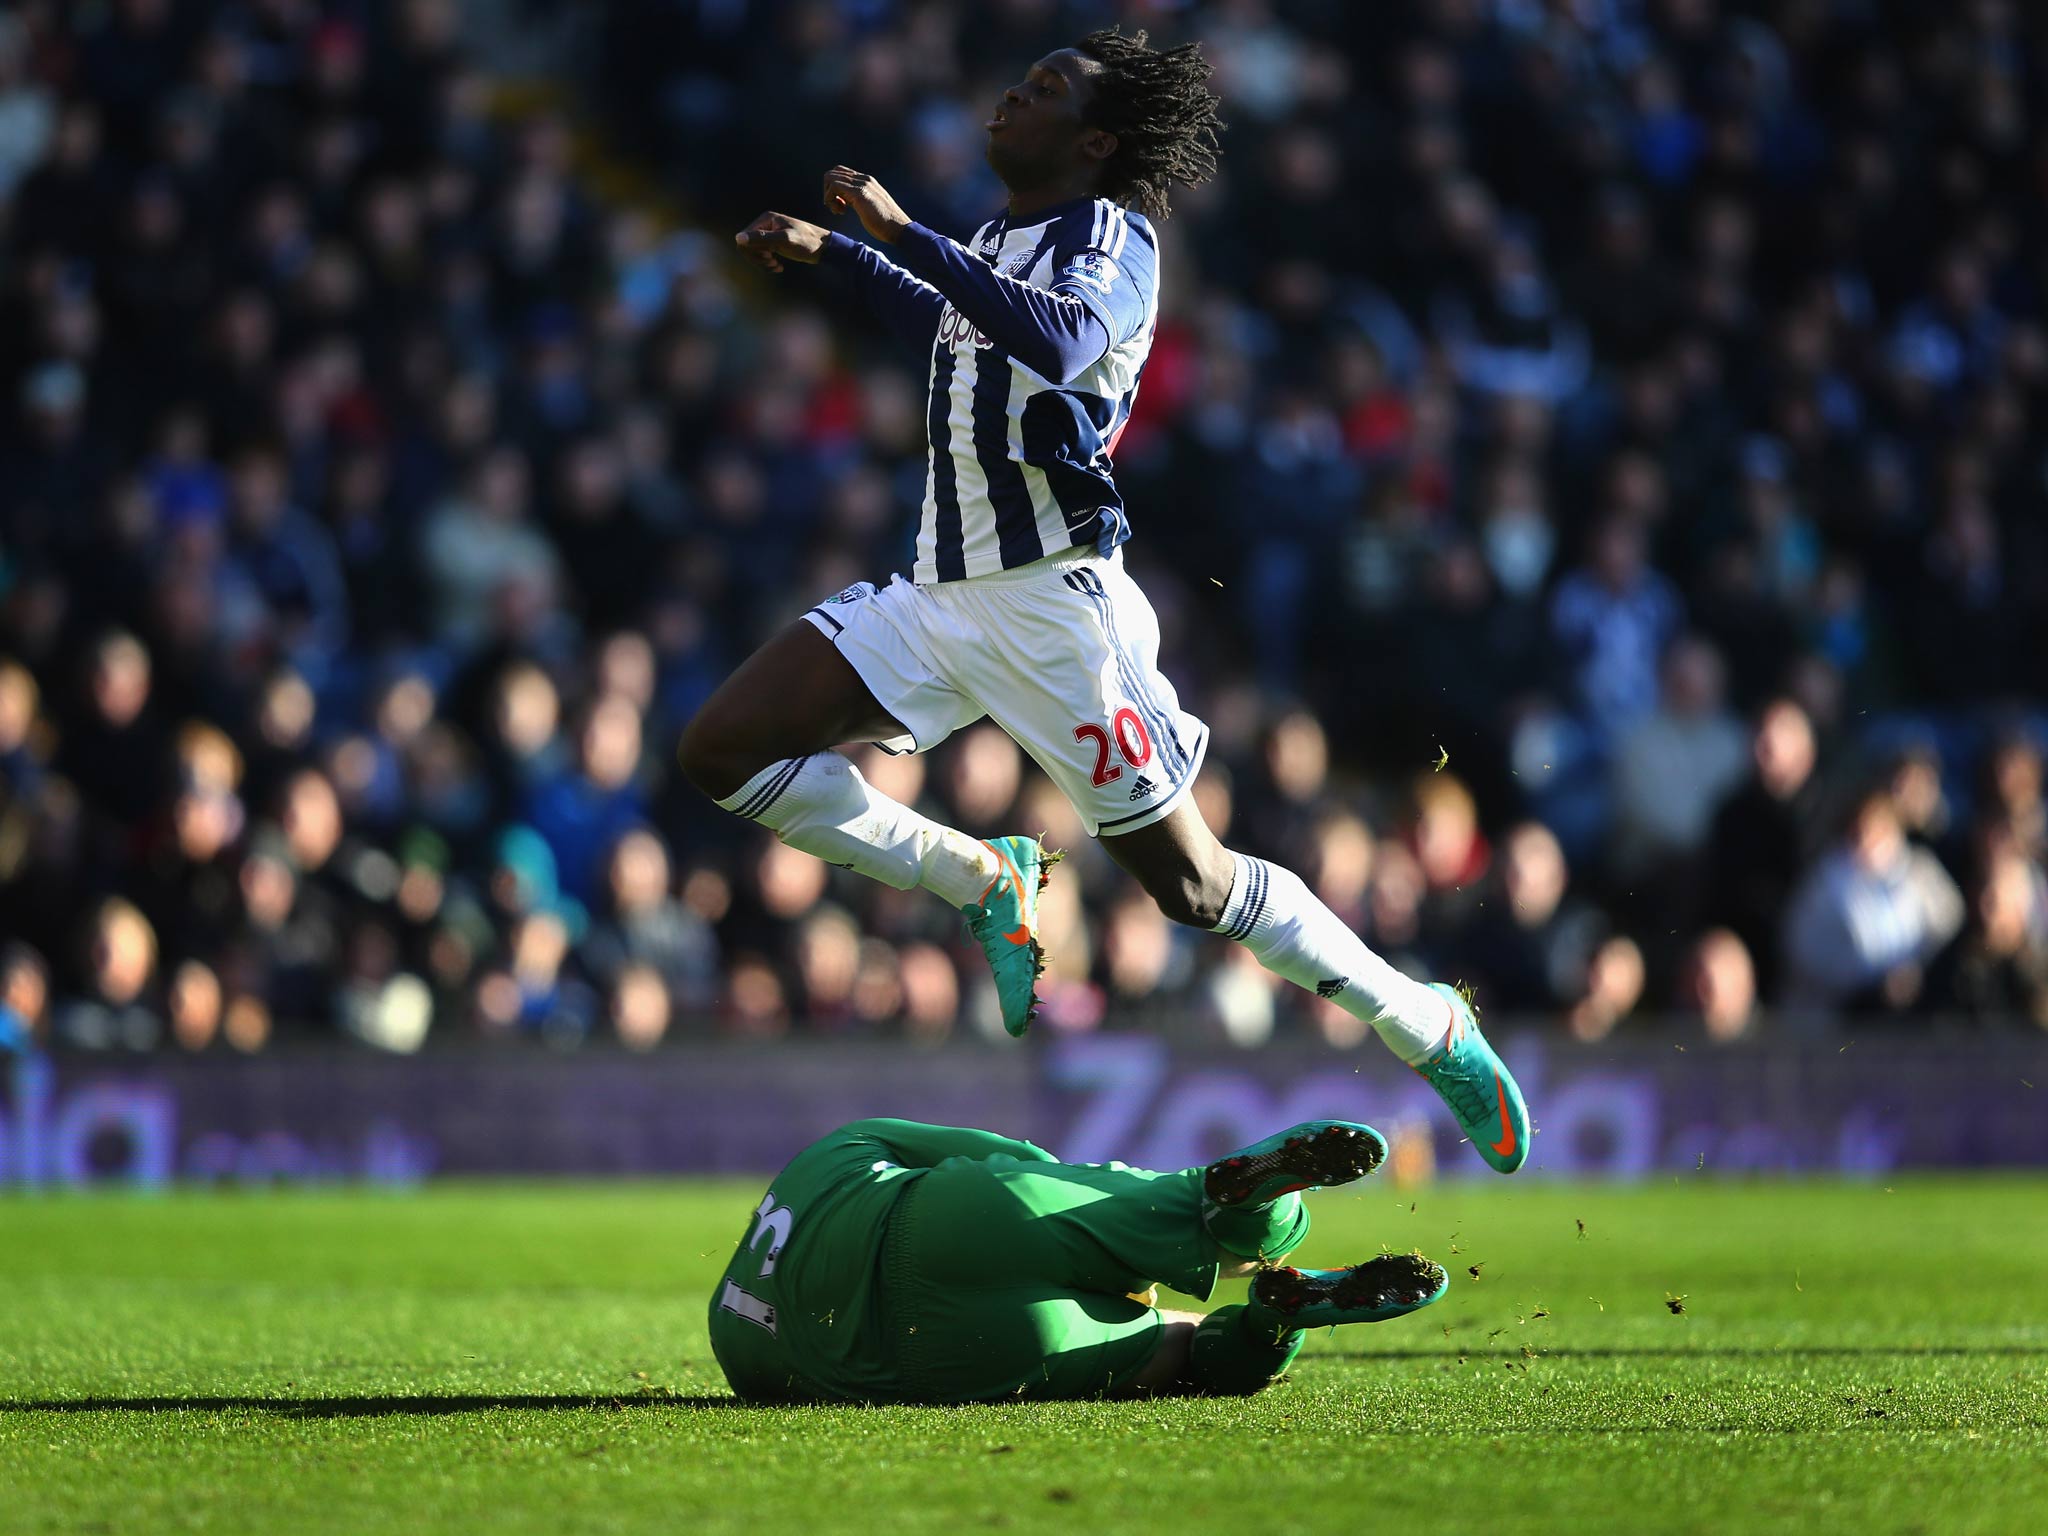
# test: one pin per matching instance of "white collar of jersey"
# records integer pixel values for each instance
(1003, 224)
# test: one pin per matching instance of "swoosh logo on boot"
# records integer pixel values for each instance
(1506, 1145)
(1021, 934)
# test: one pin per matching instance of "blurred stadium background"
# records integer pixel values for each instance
(1590, 471)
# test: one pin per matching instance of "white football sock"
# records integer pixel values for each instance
(1279, 919)
(821, 805)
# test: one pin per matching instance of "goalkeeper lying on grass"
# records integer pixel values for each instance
(898, 1262)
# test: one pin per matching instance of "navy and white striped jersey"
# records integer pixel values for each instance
(1028, 396)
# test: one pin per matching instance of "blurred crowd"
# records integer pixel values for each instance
(1589, 471)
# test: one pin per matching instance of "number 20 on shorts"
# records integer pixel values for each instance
(1131, 740)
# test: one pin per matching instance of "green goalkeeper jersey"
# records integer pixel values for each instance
(798, 1312)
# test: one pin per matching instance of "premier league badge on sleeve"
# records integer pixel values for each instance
(1094, 269)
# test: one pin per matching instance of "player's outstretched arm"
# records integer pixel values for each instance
(905, 304)
(774, 238)
(1052, 334)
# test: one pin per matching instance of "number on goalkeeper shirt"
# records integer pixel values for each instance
(772, 1222)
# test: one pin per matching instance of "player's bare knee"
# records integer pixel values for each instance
(1203, 902)
(1191, 895)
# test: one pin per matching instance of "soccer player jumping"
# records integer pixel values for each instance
(1019, 607)
(898, 1262)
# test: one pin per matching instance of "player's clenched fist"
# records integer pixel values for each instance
(775, 238)
(879, 212)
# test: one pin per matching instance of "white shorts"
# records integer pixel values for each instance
(1063, 654)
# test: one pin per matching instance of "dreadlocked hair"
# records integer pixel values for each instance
(1159, 106)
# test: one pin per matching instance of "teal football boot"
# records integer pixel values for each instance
(1285, 1299)
(1479, 1088)
(1316, 1154)
(1005, 924)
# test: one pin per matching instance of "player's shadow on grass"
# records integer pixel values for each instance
(364, 1407)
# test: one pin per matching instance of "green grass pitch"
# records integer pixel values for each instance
(1864, 1358)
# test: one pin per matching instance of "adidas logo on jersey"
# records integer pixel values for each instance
(1143, 787)
(1330, 986)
